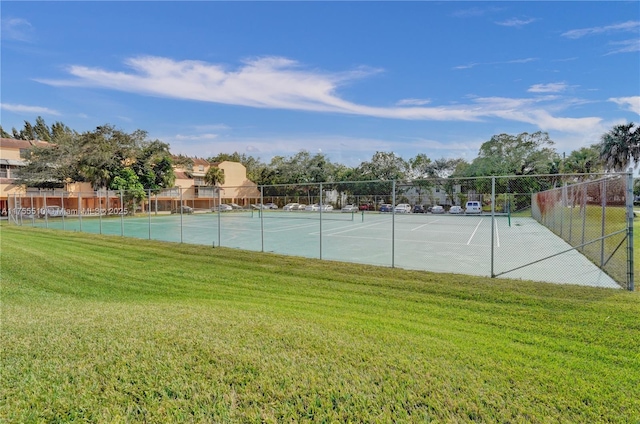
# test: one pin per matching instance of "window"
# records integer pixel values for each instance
(201, 168)
(4, 171)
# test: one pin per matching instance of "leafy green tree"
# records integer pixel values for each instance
(51, 166)
(583, 161)
(523, 154)
(620, 146)
(154, 166)
(41, 130)
(98, 157)
(133, 191)
(419, 172)
(3, 133)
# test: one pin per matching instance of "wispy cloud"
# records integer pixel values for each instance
(29, 109)
(625, 26)
(507, 62)
(17, 29)
(413, 102)
(554, 87)
(280, 83)
(515, 22)
(630, 103)
(197, 137)
(626, 46)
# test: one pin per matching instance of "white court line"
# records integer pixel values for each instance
(346, 231)
(424, 225)
(474, 231)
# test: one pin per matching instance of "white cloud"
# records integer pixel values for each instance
(16, 29)
(196, 137)
(29, 109)
(625, 26)
(554, 87)
(280, 83)
(515, 22)
(626, 46)
(413, 102)
(473, 65)
(630, 103)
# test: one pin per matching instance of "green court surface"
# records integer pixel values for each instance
(440, 243)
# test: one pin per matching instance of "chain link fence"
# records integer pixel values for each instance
(556, 228)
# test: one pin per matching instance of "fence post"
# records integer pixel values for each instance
(219, 219)
(603, 201)
(180, 215)
(630, 246)
(393, 225)
(46, 217)
(261, 219)
(493, 217)
(80, 210)
(320, 221)
(149, 213)
(121, 213)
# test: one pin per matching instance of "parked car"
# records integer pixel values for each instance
(419, 209)
(224, 208)
(327, 208)
(456, 209)
(291, 206)
(300, 207)
(271, 206)
(365, 207)
(473, 207)
(312, 208)
(386, 207)
(235, 205)
(403, 208)
(183, 209)
(349, 208)
(437, 209)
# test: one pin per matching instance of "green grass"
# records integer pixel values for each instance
(106, 329)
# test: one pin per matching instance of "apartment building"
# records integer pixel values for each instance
(189, 189)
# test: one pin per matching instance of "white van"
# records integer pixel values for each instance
(473, 207)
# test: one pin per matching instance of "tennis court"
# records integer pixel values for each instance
(440, 243)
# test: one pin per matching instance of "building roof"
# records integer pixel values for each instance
(198, 161)
(180, 175)
(11, 143)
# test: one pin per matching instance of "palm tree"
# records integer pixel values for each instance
(214, 176)
(620, 146)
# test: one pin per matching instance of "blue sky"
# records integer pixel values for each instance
(343, 78)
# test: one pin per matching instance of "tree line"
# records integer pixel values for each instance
(110, 158)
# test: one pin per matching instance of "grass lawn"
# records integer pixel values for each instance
(106, 329)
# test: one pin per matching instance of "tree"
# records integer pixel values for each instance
(385, 166)
(523, 154)
(214, 176)
(41, 130)
(128, 182)
(583, 161)
(98, 157)
(620, 146)
(3, 133)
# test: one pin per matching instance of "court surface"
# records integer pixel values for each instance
(440, 243)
